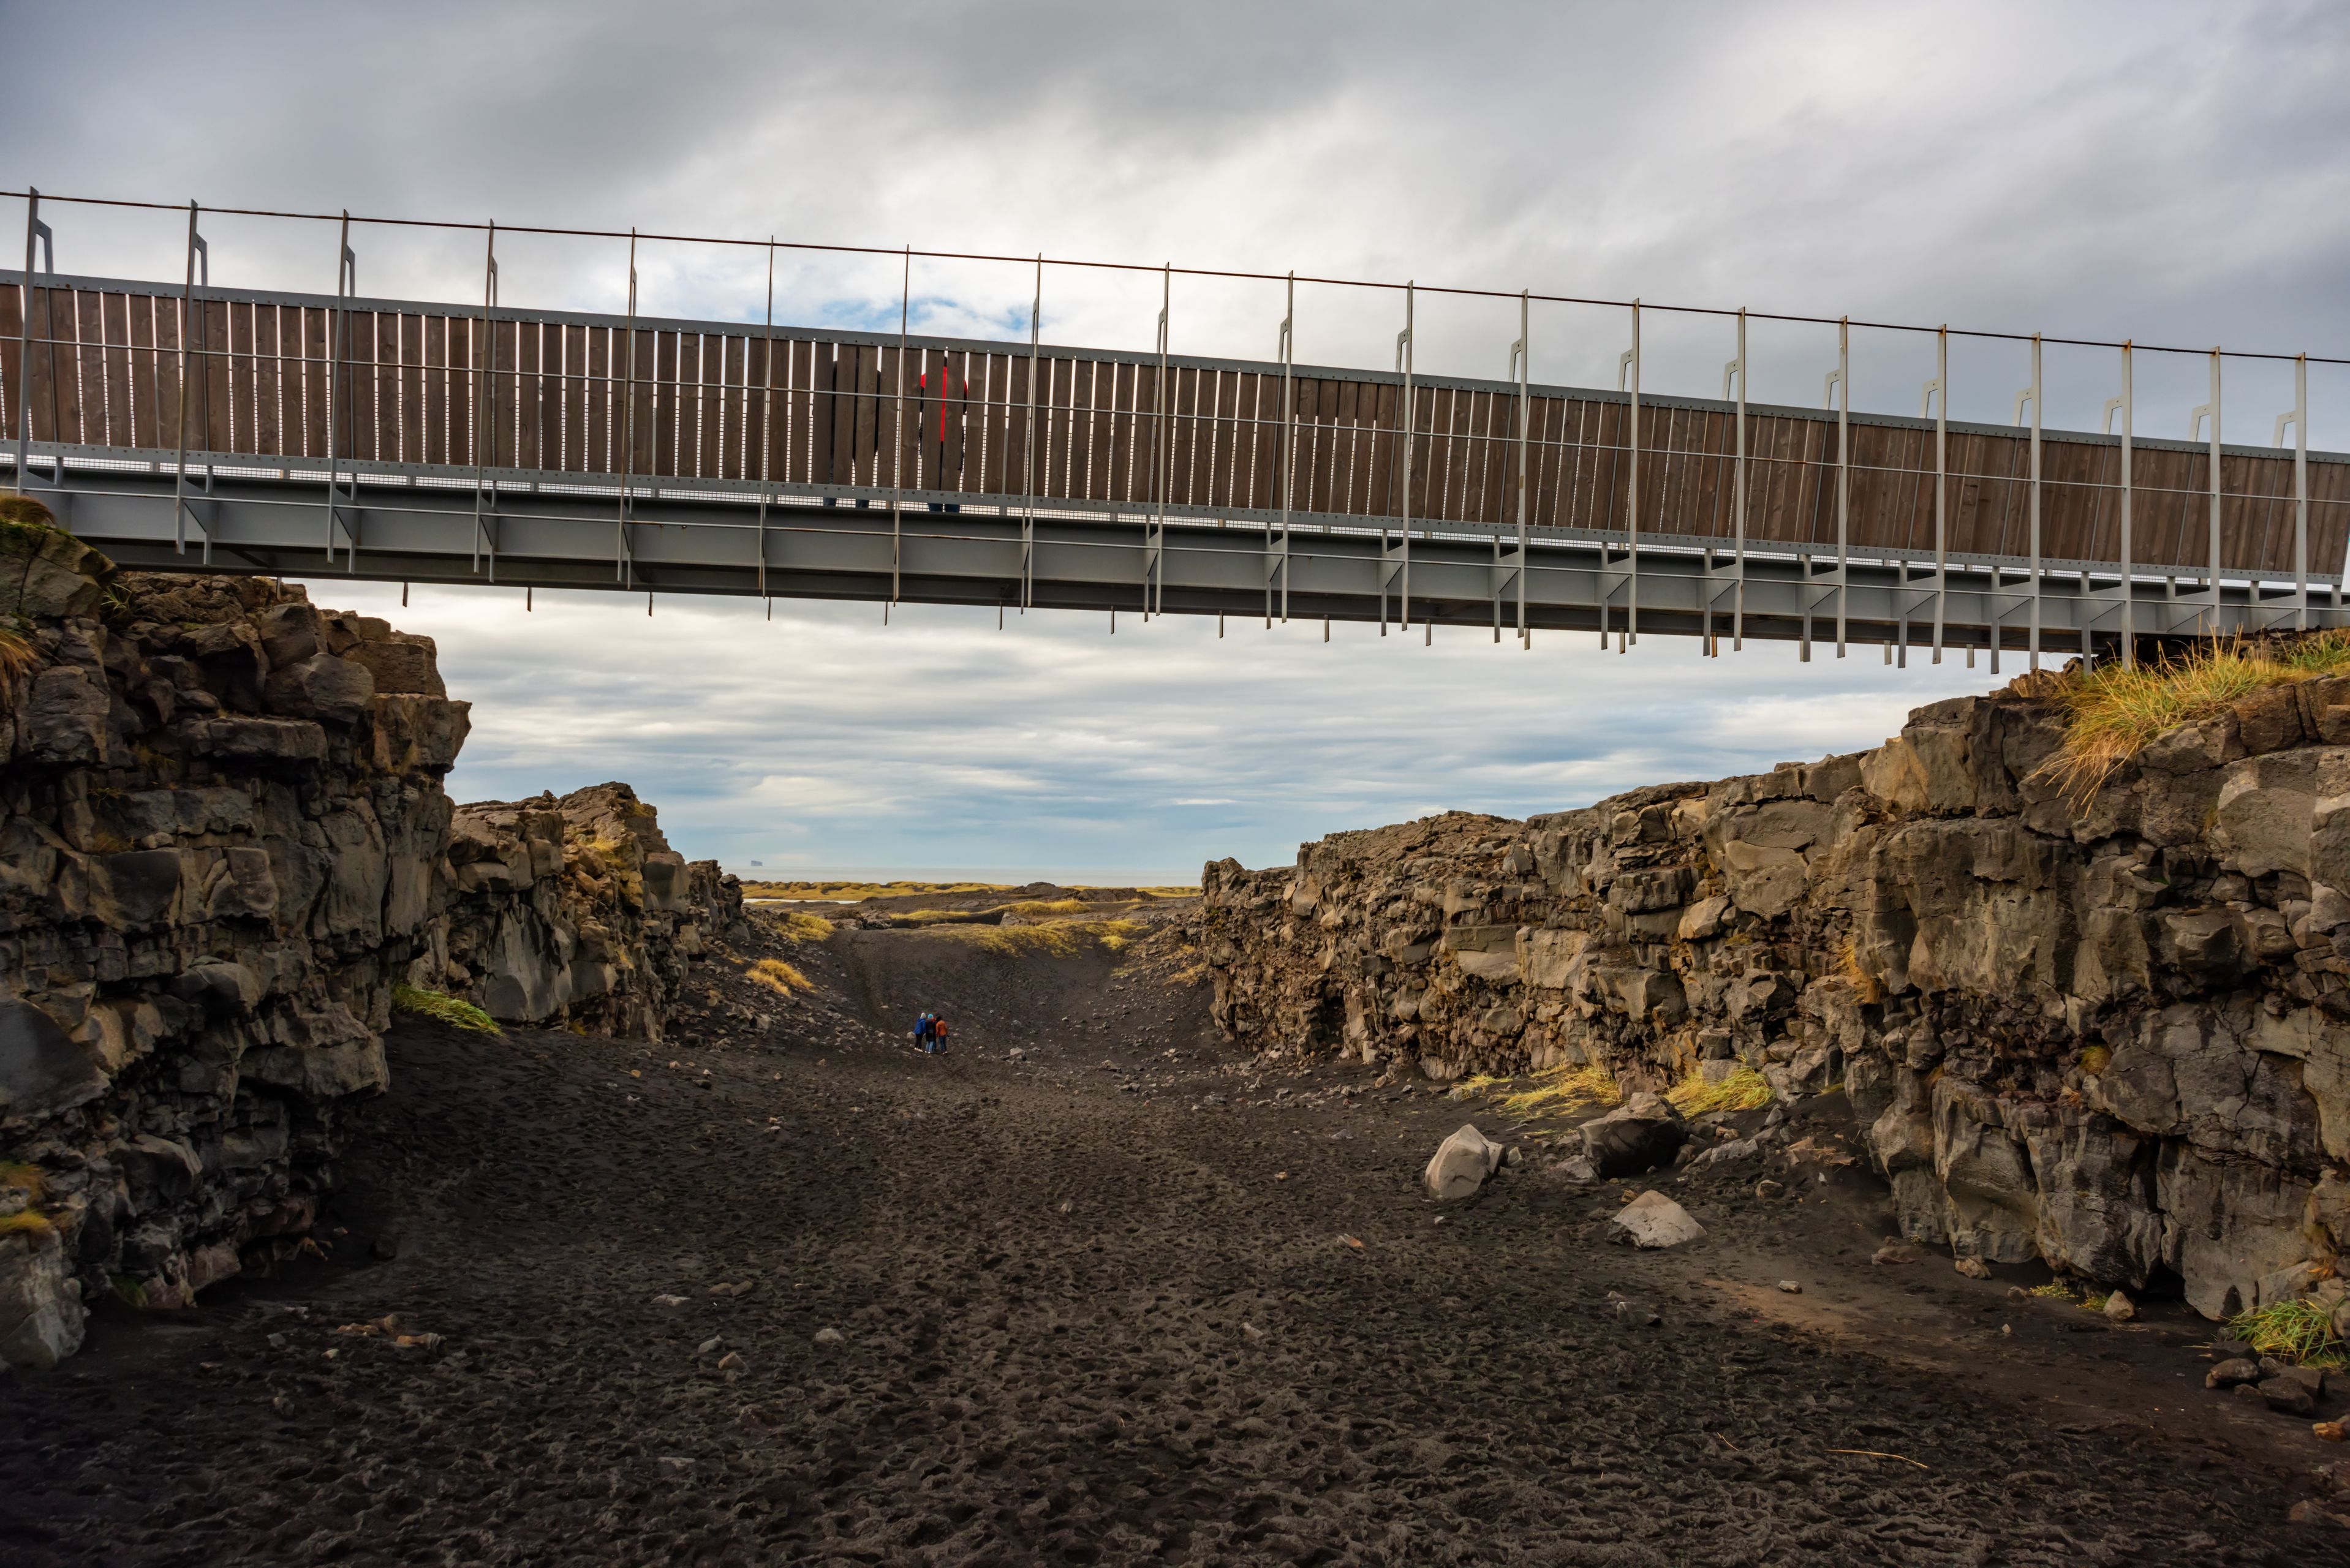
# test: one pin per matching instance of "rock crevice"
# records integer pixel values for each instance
(2113, 1033)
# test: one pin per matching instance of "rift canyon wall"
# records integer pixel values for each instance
(2113, 1033)
(224, 842)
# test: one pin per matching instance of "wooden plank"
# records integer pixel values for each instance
(12, 365)
(114, 334)
(310, 411)
(1022, 455)
(408, 329)
(90, 366)
(732, 365)
(241, 387)
(835, 429)
(219, 434)
(433, 373)
(527, 385)
(146, 428)
(803, 445)
(265, 437)
(47, 312)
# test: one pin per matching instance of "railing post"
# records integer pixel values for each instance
(1844, 472)
(35, 231)
(1738, 498)
(2127, 402)
(1938, 392)
(622, 562)
(1632, 504)
(2194, 428)
(200, 255)
(1525, 354)
(1028, 515)
(2033, 392)
(1288, 454)
(2298, 420)
(485, 409)
(1405, 349)
(898, 457)
(1154, 596)
(766, 426)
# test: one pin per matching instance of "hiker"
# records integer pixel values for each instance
(922, 1033)
(938, 1034)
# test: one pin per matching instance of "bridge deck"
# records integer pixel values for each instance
(407, 407)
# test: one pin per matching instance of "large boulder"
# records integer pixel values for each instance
(1653, 1219)
(1642, 1134)
(41, 1314)
(1462, 1164)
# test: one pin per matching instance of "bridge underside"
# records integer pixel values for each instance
(959, 551)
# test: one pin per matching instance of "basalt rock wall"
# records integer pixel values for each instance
(223, 841)
(2111, 1032)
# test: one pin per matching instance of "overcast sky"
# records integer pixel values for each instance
(2171, 173)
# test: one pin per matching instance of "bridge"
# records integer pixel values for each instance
(194, 427)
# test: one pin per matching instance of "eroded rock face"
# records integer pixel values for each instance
(2112, 1033)
(214, 863)
(223, 839)
(577, 910)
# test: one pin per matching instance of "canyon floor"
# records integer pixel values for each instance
(800, 1295)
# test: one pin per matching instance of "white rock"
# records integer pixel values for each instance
(828, 1337)
(2120, 1308)
(1460, 1164)
(1653, 1219)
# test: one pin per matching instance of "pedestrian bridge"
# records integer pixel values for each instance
(186, 426)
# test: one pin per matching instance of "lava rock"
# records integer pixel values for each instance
(1653, 1219)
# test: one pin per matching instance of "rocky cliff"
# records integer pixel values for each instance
(223, 840)
(2111, 1032)
(576, 911)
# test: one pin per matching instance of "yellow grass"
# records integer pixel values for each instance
(2300, 1330)
(798, 926)
(1047, 907)
(25, 1221)
(26, 1178)
(2115, 712)
(1056, 938)
(1744, 1090)
(1558, 1091)
(17, 655)
(777, 976)
(852, 891)
(444, 1008)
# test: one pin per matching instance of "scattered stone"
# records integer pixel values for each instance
(2227, 1348)
(1791, 1287)
(1644, 1132)
(1973, 1268)
(828, 1337)
(2331, 1431)
(1573, 1167)
(1767, 1189)
(1653, 1219)
(1894, 1252)
(712, 1343)
(1068, 1206)
(1461, 1165)
(2230, 1374)
(1015, 1054)
(2119, 1308)
(669, 1301)
(731, 1362)
(2309, 1510)
(2288, 1395)
(2310, 1377)
(1250, 1331)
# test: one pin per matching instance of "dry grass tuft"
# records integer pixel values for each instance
(1054, 938)
(1744, 1090)
(28, 1179)
(1046, 907)
(24, 1222)
(17, 655)
(777, 976)
(446, 1009)
(2054, 1291)
(798, 926)
(2115, 712)
(1559, 1091)
(2300, 1330)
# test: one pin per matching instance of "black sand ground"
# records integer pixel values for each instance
(1081, 1321)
